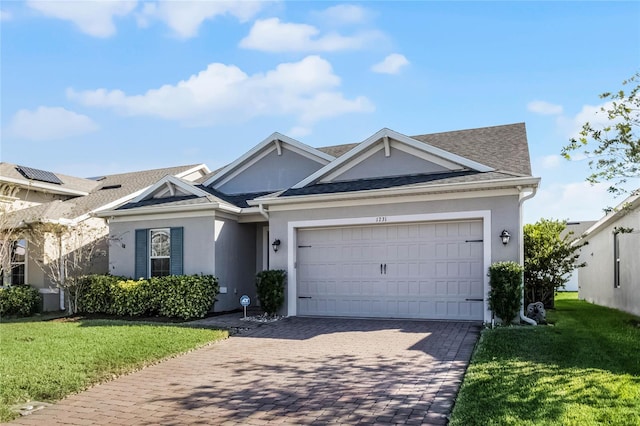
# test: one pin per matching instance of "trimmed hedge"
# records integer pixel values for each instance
(505, 295)
(176, 296)
(270, 290)
(19, 300)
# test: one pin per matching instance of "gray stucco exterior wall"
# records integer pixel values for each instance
(504, 215)
(199, 250)
(271, 173)
(597, 278)
(398, 163)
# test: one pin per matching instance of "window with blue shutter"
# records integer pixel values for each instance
(159, 252)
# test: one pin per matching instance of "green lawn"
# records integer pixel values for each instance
(582, 370)
(46, 360)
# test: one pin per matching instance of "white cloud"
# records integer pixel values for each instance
(91, 17)
(550, 161)
(50, 123)
(572, 201)
(272, 35)
(391, 64)
(306, 90)
(593, 114)
(298, 131)
(185, 17)
(344, 14)
(544, 108)
(5, 15)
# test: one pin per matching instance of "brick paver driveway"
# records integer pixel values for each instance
(296, 371)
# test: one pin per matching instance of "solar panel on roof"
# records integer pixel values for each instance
(37, 174)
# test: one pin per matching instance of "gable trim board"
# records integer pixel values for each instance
(295, 227)
(379, 137)
(254, 155)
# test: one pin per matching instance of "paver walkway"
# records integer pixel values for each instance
(294, 371)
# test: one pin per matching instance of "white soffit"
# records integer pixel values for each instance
(397, 139)
(276, 141)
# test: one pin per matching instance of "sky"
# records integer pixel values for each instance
(99, 87)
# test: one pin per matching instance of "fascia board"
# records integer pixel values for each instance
(48, 188)
(415, 189)
(155, 210)
(256, 149)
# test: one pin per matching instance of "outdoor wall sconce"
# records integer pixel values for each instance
(275, 245)
(505, 235)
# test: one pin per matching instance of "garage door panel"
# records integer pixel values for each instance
(431, 271)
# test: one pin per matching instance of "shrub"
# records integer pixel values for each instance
(185, 296)
(134, 298)
(179, 296)
(270, 289)
(505, 295)
(97, 297)
(19, 300)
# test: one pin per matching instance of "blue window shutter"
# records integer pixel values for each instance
(176, 251)
(142, 253)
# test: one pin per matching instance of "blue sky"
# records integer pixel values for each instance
(90, 88)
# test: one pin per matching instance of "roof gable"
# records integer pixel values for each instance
(276, 163)
(169, 187)
(418, 156)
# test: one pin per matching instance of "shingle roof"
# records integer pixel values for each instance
(500, 147)
(239, 200)
(397, 181)
(186, 200)
(109, 189)
(73, 183)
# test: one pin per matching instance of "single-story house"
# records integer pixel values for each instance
(612, 275)
(577, 228)
(31, 196)
(392, 227)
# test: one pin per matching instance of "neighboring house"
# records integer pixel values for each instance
(578, 228)
(31, 196)
(612, 275)
(394, 226)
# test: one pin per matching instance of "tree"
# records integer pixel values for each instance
(9, 233)
(613, 149)
(68, 251)
(549, 259)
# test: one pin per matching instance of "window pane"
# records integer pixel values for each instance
(19, 251)
(160, 267)
(160, 243)
(17, 275)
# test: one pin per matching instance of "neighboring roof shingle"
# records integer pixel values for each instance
(10, 170)
(107, 190)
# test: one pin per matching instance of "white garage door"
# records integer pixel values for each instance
(427, 270)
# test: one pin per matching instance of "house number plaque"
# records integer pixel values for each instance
(381, 219)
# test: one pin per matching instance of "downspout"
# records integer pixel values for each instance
(521, 200)
(263, 212)
(61, 273)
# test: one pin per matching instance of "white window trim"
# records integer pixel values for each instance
(292, 244)
(149, 248)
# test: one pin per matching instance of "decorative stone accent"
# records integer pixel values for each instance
(29, 407)
(536, 312)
